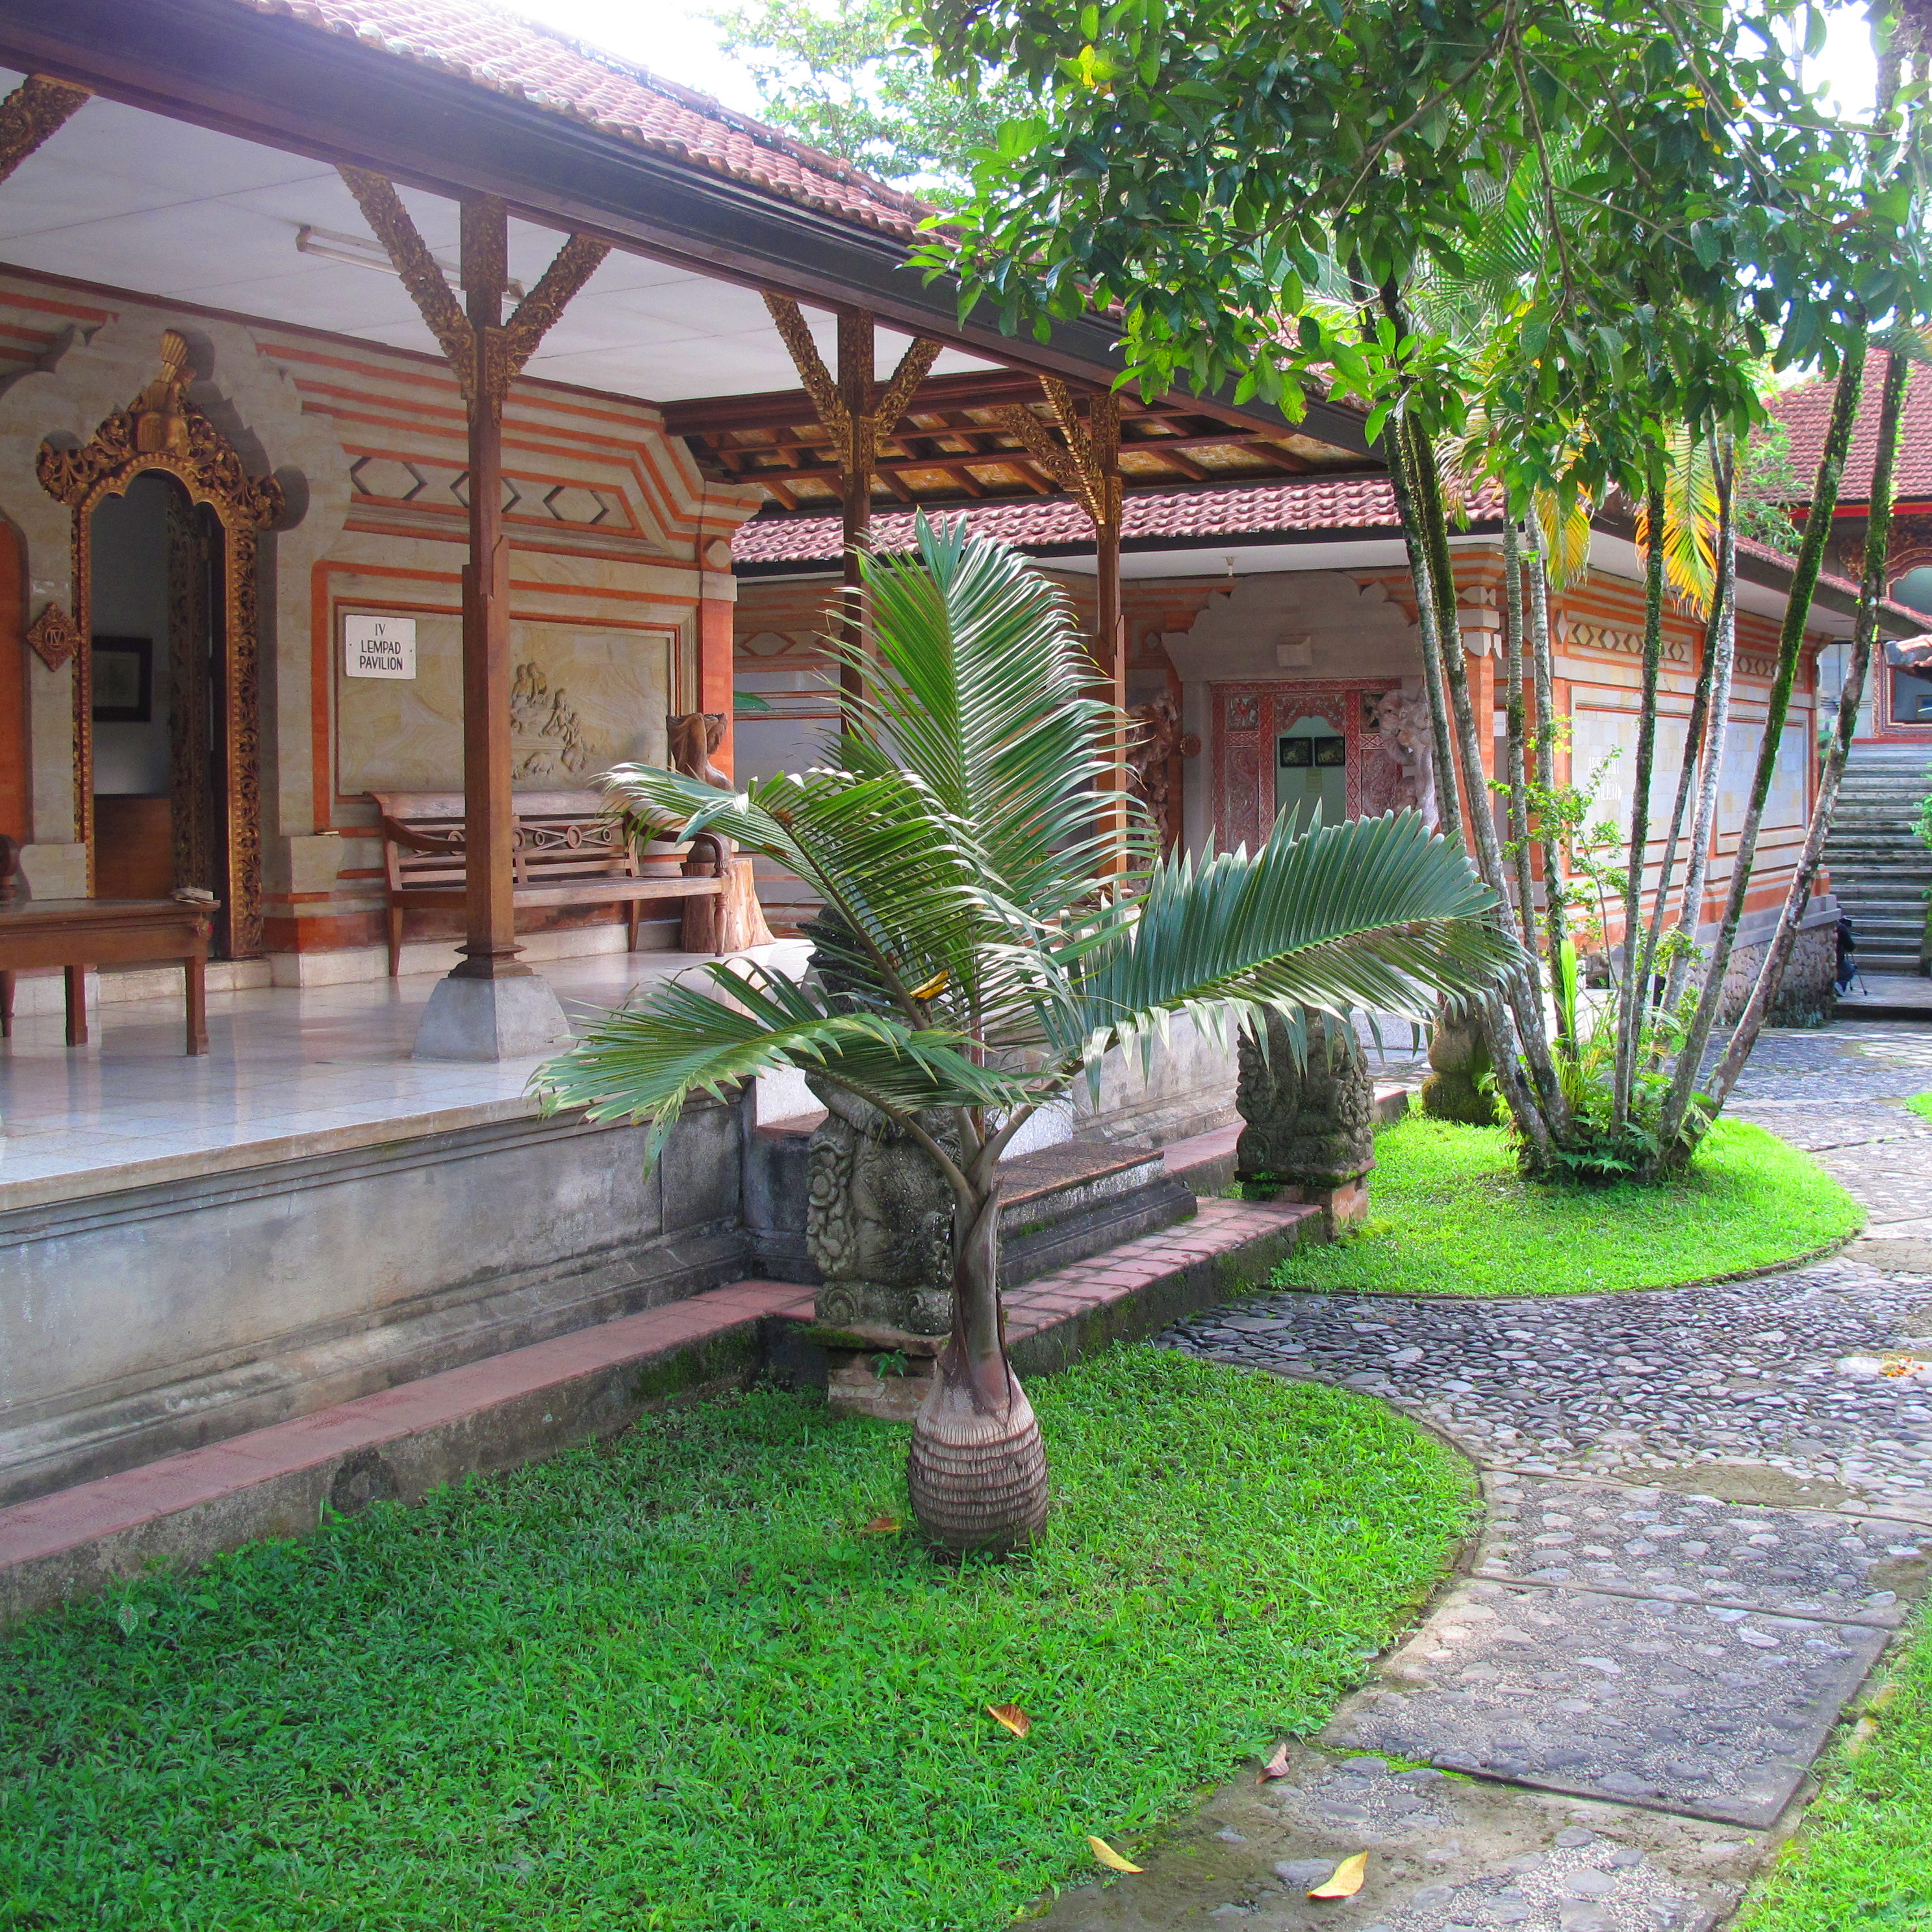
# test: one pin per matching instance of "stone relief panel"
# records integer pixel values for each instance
(581, 700)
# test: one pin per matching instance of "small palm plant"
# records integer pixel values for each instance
(994, 929)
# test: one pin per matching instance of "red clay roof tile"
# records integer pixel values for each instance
(509, 55)
(1195, 511)
(1806, 411)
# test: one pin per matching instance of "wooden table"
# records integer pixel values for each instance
(76, 933)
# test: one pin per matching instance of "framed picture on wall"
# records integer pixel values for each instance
(123, 680)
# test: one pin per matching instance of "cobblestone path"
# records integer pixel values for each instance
(1707, 1512)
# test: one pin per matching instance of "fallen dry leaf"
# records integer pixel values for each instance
(1345, 1881)
(1015, 1720)
(1276, 1767)
(1863, 1731)
(1108, 1857)
(881, 1525)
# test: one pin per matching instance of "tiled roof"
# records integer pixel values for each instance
(1807, 412)
(1307, 506)
(509, 55)
(1199, 512)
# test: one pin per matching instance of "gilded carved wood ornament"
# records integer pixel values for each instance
(162, 430)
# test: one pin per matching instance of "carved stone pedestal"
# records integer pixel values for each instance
(1458, 1060)
(1309, 1134)
(879, 1229)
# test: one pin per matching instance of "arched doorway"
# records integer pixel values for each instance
(165, 524)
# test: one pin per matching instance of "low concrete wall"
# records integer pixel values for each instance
(141, 1323)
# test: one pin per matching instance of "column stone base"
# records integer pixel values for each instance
(510, 1018)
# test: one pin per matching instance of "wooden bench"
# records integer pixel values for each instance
(565, 852)
(76, 933)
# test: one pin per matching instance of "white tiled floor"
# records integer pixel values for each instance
(289, 1071)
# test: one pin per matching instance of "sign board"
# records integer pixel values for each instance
(379, 646)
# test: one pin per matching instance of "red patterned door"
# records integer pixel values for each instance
(1252, 720)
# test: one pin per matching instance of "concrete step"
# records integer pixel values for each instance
(529, 1402)
(1878, 851)
(1875, 927)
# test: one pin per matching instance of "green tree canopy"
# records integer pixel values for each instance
(1208, 166)
(845, 78)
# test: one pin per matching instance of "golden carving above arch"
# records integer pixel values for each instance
(160, 430)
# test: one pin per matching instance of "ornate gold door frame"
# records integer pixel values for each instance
(161, 430)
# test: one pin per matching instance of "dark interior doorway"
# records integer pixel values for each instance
(160, 783)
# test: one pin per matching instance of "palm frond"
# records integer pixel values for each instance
(1565, 530)
(878, 847)
(977, 680)
(1689, 520)
(726, 1022)
(1377, 913)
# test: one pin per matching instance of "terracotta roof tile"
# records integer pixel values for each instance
(1807, 411)
(509, 55)
(1193, 515)
(1199, 512)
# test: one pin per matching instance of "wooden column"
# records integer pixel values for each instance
(856, 418)
(716, 685)
(856, 462)
(485, 353)
(489, 948)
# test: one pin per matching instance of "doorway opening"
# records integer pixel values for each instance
(1311, 775)
(159, 653)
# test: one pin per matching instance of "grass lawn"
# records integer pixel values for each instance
(1920, 1104)
(1861, 1861)
(671, 1680)
(1450, 1216)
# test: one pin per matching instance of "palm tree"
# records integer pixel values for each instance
(994, 931)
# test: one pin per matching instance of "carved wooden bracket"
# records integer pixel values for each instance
(857, 439)
(54, 635)
(1087, 465)
(501, 348)
(36, 109)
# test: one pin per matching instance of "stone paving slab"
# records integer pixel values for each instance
(1654, 1542)
(1445, 1852)
(1696, 1707)
(1750, 1389)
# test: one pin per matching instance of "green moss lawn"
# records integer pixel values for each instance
(672, 1681)
(1451, 1216)
(1861, 1861)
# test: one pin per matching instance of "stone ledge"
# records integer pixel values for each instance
(491, 1414)
(529, 1402)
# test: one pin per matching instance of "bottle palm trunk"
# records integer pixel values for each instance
(977, 1468)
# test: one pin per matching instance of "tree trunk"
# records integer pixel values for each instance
(977, 1468)
(1514, 1022)
(1633, 995)
(1797, 610)
(1517, 729)
(1554, 922)
(1721, 647)
(1871, 592)
(1692, 762)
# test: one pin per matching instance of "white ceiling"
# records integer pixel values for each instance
(131, 200)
